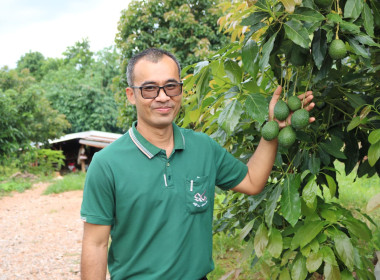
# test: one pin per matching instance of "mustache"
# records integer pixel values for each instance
(160, 106)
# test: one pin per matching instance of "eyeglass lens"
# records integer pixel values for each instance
(154, 91)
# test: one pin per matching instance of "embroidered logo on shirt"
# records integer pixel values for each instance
(200, 199)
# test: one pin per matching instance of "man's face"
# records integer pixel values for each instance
(160, 111)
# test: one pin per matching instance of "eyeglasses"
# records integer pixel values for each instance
(152, 91)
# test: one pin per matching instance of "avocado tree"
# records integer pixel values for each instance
(294, 228)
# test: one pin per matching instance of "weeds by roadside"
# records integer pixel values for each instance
(69, 182)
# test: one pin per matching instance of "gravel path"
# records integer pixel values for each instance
(40, 235)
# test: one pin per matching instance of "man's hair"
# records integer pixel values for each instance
(152, 55)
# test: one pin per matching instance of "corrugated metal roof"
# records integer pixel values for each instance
(93, 138)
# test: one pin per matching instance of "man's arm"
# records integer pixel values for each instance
(261, 163)
(94, 251)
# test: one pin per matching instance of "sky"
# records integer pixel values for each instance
(50, 26)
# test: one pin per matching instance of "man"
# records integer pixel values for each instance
(153, 188)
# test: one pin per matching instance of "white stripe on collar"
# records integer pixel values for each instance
(139, 145)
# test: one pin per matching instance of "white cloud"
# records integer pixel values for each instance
(51, 37)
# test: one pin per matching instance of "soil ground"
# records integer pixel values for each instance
(40, 235)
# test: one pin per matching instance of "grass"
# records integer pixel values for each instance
(69, 182)
(16, 184)
(356, 192)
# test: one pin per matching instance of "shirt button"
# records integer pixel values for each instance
(168, 164)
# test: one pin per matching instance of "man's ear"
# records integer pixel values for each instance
(130, 95)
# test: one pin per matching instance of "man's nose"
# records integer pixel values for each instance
(162, 95)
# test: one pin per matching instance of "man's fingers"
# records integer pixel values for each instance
(276, 94)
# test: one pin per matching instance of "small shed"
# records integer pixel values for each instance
(80, 147)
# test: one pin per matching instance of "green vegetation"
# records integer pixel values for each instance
(8, 186)
(293, 222)
(323, 3)
(230, 250)
(70, 182)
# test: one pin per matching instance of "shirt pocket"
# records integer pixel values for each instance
(197, 194)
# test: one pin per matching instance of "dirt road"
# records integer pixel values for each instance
(40, 235)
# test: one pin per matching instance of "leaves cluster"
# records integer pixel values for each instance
(292, 227)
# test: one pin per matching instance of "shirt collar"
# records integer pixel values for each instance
(148, 148)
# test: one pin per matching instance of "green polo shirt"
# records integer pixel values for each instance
(160, 209)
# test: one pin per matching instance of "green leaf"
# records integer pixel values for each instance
(345, 249)
(246, 230)
(374, 153)
(271, 205)
(319, 47)
(290, 200)
(331, 272)
(203, 83)
(328, 255)
(357, 48)
(299, 271)
(355, 100)
(266, 51)
(333, 147)
(261, 240)
(307, 14)
(374, 136)
(233, 71)
(254, 18)
(314, 261)
(334, 18)
(289, 5)
(346, 275)
(249, 57)
(309, 192)
(296, 32)
(368, 20)
(306, 233)
(349, 27)
(329, 215)
(331, 184)
(194, 115)
(256, 106)
(284, 274)
(230, 116)
(314, 164)
(358, 228)
(275, 243)
(199, 66)
(366, 40)
(356, 121)
(353, 8)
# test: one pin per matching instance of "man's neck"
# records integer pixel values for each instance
(162, 138)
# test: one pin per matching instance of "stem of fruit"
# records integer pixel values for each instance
(295, 84)
(337, 30)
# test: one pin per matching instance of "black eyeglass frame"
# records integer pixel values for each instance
(158, 89)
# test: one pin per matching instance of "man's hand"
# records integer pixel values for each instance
(305, 98)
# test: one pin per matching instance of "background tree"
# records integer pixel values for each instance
(186, 28)
(33, 61)
(293, 227)
(79, 55)
(82, 88)
(27, 117)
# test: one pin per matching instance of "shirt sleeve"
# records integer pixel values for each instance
(230, 170)
(98, 195)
